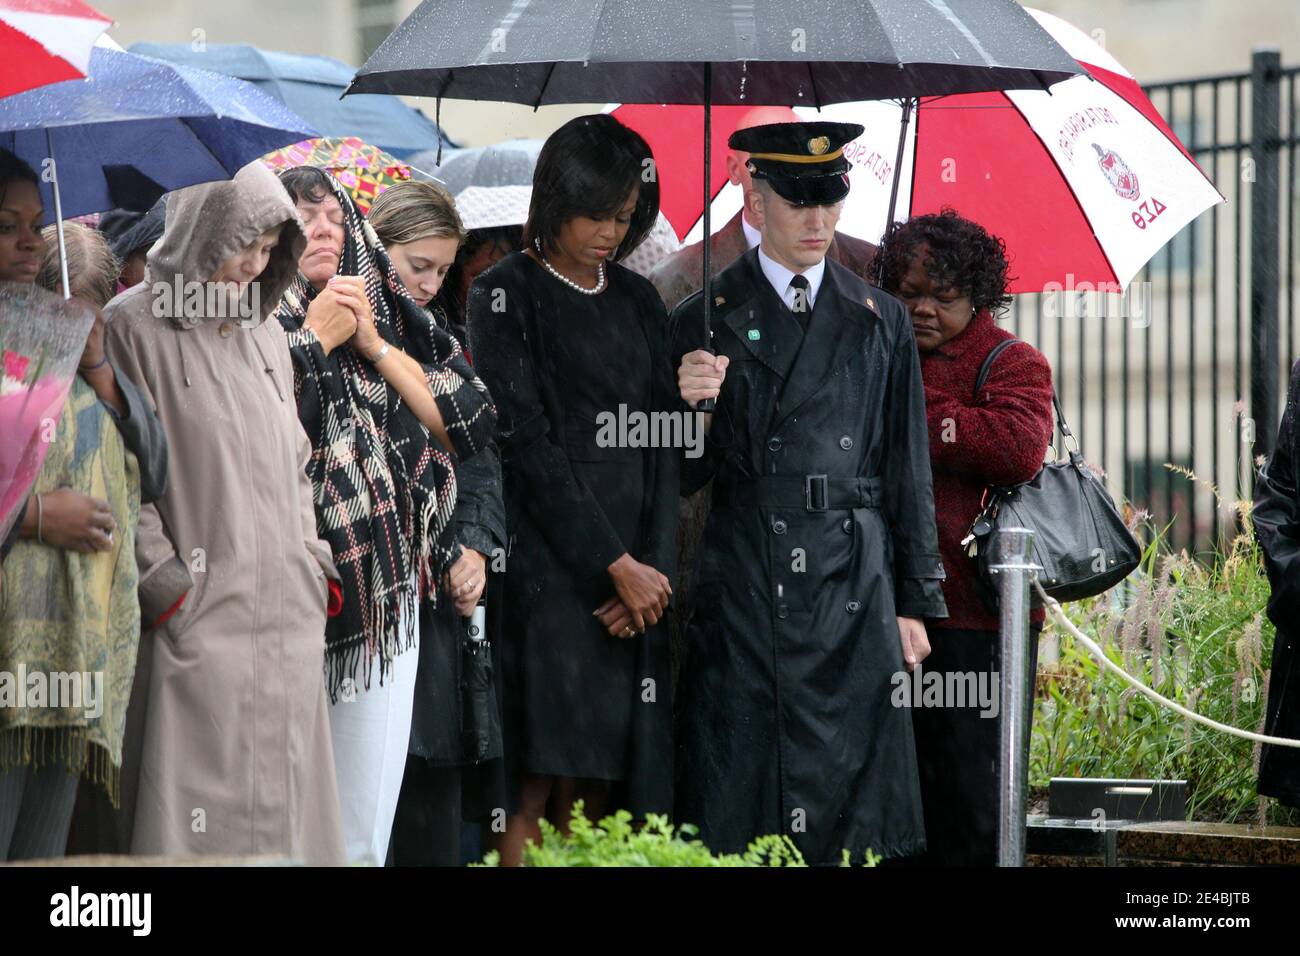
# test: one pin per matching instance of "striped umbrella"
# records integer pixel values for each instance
(1085, 182)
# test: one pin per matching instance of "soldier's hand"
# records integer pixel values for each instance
(916, 645)
(700, 376)
(642, 589)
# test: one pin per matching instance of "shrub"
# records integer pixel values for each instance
(616, 841)
(1198, 634)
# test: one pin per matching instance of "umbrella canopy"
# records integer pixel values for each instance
(1094, 152)
(711, 51)
(138, 127)
(363, 170)
(502, 164)
(46, 41)
(311, 86)
(764, 51)
(676, 132)
(1088, 180)
(484, 207)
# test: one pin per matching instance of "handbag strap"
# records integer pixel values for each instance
(987, 364)
(983, 375)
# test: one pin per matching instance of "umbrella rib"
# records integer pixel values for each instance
(812, 81)
(545, 83)
(916, 140)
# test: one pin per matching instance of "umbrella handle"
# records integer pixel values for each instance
(707, 404)
(898, 171)
(58, 213)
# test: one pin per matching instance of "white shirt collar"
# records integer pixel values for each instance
(779, 276)
(752, 235)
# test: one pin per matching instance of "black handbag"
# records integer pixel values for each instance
(1080, 540)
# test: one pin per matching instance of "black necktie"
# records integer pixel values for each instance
(802, 301)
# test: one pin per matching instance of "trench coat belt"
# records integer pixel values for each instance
(810, 492)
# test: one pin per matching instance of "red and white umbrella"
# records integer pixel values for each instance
(46, 41)
(1085, 179)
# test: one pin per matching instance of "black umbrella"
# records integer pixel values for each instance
(478, 725)
(692, 52)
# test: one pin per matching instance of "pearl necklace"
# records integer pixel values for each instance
(600, 274)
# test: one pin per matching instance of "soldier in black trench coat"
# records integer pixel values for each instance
(822, 533)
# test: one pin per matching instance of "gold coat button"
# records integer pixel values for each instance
(227, 329)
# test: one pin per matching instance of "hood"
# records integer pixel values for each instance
(209, 223)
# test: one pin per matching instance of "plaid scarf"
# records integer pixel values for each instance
(384, 489)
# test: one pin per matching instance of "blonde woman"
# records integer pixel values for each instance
(372, 365)
(418, 225)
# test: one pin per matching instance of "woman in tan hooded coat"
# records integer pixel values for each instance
(235, 754)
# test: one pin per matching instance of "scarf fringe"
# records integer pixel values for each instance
(342, 662)
(40, 747)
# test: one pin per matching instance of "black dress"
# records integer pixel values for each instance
(577, 702)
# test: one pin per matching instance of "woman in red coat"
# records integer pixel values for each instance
(952, 276)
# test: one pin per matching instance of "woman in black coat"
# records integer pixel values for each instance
(453, 766)
(569, 342)
(1276, 515)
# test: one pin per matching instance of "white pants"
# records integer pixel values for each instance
(371, 734)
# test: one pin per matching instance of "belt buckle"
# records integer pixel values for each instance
(815, 492)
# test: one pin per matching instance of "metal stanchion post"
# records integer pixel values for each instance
(1013, 565)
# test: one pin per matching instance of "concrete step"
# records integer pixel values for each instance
(1054, 841)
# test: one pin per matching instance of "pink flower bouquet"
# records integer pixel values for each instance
(41, 340)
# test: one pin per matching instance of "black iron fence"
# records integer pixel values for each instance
(1186, 374)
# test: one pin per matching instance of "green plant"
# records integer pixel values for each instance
(1197, 633)
(616, 841)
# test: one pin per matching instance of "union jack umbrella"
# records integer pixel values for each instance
(46, 41)
(1085, 179)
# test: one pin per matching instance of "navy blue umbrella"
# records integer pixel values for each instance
(138, 127)
(311, 87)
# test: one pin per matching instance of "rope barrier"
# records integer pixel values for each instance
(1095, 650)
